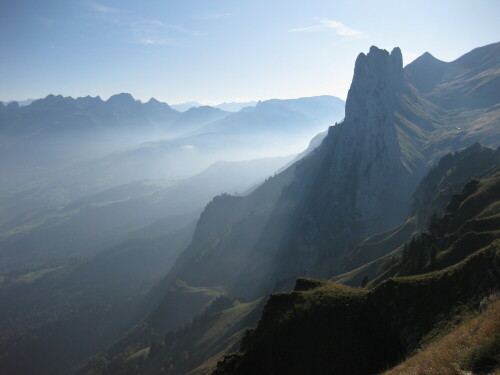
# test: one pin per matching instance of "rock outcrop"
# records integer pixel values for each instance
(357, 183)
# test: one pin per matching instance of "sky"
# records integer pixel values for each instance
(211, 51)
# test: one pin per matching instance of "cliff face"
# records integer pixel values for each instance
(305, 220)
(361, 180)
(378, 77)
(362, 157)
(358, 182)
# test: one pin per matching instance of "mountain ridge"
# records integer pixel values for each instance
(406, 146)
(342, 212)
(305, 230)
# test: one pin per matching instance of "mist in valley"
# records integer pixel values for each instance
(262, 234)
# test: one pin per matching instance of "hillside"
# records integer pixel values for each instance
(77, 309)
(67, 274)
(70, 258)
(470, 81)
(194, 348)
(447, 177)
(472, 346)
(321, 326)
(336, 209)
(82, 228)
(358, 182)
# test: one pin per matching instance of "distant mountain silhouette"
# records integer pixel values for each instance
(283, 115)
(21, 103)
(197, 117)
(226, 106)
(235, 106)
(183, 107)
(75, 147)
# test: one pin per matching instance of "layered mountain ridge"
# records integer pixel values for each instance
(59, 149)
(470, 81)
(398, 198)
(359, 182)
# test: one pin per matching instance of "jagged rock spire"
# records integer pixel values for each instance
(378, 76)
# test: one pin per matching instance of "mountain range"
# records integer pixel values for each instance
(380, 242)
(354, 210)
(359, 181)
(59, 149)
(79, 221)
(226, 106)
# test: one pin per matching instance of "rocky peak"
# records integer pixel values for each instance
(369, 116)
(53, 98)
(12, 105)
(89, 101)
(153, 101)
(364, 153)
(425, 60)
(123, 99)
(425, 72)
(378, 76)
(48, 101)
(427, 56)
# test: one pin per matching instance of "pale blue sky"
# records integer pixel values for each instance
(214, 51)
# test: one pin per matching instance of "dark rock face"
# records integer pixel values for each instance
(378, 76)
(358, 182)
(369, 149)
(354, 185)
(358, 185)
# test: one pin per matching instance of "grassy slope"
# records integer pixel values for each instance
(365, 258)
(193, 349)
(472, 347)
(319, 330)
(320, 326)
(208, 343)
(75, 311)
(181, 304)
(381, 253)
(189, 301)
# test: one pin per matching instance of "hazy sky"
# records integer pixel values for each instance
(214, 51)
